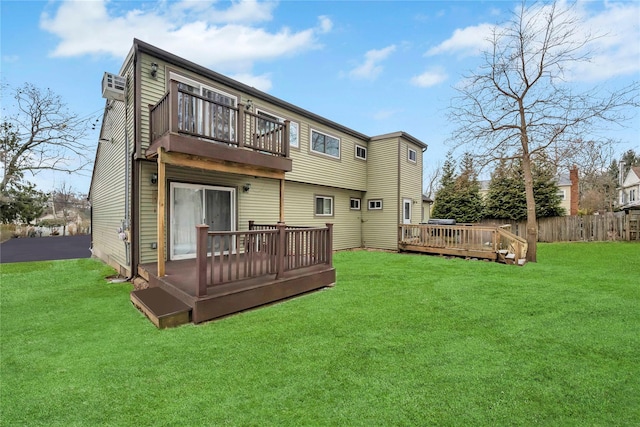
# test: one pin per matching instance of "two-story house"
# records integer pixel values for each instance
(182, 146)
(629, 190)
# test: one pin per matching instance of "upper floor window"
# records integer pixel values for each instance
(361, 152)
(324, 206)
(632, 195)
(263, 126)
(413, 155)
(562, 194)
(325, 144)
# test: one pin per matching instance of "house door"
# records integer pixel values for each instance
(406, 211)
(193, 204)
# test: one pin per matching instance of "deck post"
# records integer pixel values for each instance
(280, 250)
(330, 244)
(241, 125)
(173, 106)
(161, 212)
(202, 235)
(251, 223)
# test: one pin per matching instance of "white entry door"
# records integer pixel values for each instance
(406, 211)
(193, 204)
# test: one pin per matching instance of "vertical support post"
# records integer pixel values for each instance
(281, 200)
(251, 222)
(202, 235)
(161, 212)
(281, 249)
(241, 127)
(330, 245)
(285, 137)
(173, 106)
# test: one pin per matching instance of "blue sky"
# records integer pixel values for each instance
(374, 66)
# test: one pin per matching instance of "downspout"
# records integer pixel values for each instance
(126, 225)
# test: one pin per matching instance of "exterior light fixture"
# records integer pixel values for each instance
(154, 69)
(154, 178)
(246, 187)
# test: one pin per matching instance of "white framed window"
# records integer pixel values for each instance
(562, 194)
(375, 204)
(293, 126)
(324, 206)
(215, 119)
(361, 152)
(412, 155)
(354, 204)
(325, 144)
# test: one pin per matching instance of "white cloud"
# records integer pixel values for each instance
(469, 41)
(326, 24)
(431, 77)
(384, 114)
(370, 68)
(262, 82)
(10, 59)
(224, 39)
(615, 50)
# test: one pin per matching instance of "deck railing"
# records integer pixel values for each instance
(263, 250)
(184, 112)
(463, 238)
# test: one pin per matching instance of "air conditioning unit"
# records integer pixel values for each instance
(113, 86)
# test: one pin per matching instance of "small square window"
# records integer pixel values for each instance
(413, 155)
(375, 204)
(361, 152)
(324, 206)
(355, 204)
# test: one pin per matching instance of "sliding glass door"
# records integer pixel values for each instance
(193, 204)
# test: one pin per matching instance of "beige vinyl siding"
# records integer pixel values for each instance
(314, 168)
(152, 91)
(260, 203)
(108, 183)
(410, 180)
(380, 226)
(300, 210)
(308, 167)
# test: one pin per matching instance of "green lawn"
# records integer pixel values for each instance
(401, 340)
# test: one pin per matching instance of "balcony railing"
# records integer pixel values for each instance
(183, 112)
(262, 250)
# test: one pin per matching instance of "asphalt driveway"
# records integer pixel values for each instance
(45, 248)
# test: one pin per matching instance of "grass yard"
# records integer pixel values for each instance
(401, 340)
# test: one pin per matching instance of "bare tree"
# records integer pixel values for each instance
(40, 134)
(518, 105)
(431, 179)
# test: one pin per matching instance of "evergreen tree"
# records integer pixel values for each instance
(459, 197)
(444, 198)
(22, 203)
(506, 198)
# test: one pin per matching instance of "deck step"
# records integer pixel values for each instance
(163, 309)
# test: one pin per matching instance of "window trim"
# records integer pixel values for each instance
(281, 119)
(415, 154)
(359, 203)
(375, 202)
(315, 201)
(311, 131)
(363, 148)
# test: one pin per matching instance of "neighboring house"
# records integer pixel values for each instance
(182, 145)
(427, 204)
(629, 190)
(567, 190)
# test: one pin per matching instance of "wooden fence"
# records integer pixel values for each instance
(600, 228)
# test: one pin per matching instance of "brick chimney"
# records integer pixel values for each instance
(575, 194)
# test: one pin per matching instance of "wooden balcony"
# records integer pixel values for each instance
(192, 125)
(465, 240)
(264, 264)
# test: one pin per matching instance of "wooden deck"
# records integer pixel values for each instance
(267, 265)
(466, 240)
